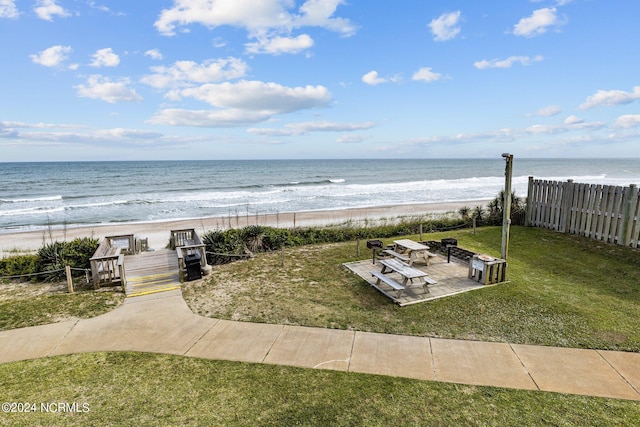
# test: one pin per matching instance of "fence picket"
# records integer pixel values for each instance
(606, 213)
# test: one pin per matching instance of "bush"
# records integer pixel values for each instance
(19, 265)
(50, 258)
(224, 246)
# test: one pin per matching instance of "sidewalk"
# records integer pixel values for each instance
(163, 323)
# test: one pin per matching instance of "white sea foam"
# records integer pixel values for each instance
(143, 191)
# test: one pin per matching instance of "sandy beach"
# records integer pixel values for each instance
(158, 232)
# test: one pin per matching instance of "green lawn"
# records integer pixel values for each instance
(563, 291)
(147, 389)
(31, 304)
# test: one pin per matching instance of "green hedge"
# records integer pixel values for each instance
(50, 258)
(224, 246)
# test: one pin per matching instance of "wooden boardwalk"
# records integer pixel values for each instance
(151, 272)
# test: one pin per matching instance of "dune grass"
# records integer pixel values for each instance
(150, 389)
(563, 291)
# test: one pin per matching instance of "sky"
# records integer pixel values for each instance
(278, 79)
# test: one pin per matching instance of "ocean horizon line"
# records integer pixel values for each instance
(497, 158)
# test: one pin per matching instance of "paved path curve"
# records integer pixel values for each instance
(163, 323)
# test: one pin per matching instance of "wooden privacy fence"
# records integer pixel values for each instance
(602, 212)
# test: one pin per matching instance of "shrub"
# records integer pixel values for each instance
(224, 246)
(19, 265)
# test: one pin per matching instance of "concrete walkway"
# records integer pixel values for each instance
(163, 323)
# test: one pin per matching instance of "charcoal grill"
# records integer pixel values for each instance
(373, 245)
(449, 243)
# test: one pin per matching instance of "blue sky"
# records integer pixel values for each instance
(262, 79)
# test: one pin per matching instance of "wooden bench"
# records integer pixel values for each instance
(430, 281)
(425, 255)
(396, 255)
(388, 280)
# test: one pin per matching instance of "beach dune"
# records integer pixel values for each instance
(158, 232)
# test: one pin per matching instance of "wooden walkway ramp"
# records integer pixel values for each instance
(151, 272)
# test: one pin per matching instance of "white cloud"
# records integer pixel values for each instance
(611, 98)
(47, 9)
(209, 118)
(573, 120)
(8, 9)
(571, 125)
(506, 63)
(25, 125)
(105, 58)
(426, 75)
(154, 54)
(445, 27)
(279, 45)
(53, 56)
(49, 133)
(628, 121)
(186, 73)
(260, 96)
(258, 17)
(99, 87)
(241, 103)
(548, 111)
(372, 78)
(296, 129)
(538, 23)
(351, 139)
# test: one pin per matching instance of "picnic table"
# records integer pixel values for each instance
(407, 273)
(409, 251)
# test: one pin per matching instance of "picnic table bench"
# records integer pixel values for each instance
(407, 272)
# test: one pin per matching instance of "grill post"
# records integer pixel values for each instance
(373, 245)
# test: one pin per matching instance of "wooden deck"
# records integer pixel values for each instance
(452, 279)
(151, 272)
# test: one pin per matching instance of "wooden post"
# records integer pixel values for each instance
(506, 205)
(474, 224)
(358, 248)
(566, 206)
(294, 220)
(421, 232)
(528, 219)
(67, 270)
(628, 214)
(282, 255)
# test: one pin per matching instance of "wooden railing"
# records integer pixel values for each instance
(107, 262)
(601, 212)
(187, 242)
(107, 265)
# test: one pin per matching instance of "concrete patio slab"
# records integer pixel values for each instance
(312, 348)
(395, 355)
(575, 371)
(627, 364)
(32, 342)
(244, 342)
(479, 363)
(160, 323)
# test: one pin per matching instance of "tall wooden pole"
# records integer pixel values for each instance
(506, 205)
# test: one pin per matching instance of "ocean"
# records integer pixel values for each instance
(35, 196)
